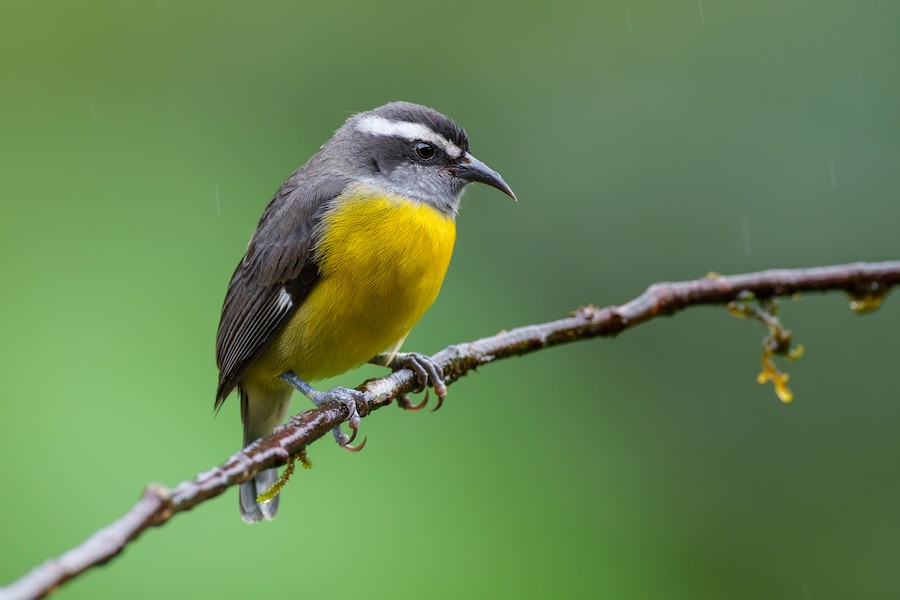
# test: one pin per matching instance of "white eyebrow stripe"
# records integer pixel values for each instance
(407, 129)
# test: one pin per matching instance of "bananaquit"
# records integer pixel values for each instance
(346, 258)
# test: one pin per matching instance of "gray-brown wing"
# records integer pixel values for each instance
(274, 277)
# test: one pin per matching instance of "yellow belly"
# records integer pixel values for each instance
(382, 260)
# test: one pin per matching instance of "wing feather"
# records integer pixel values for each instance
(279, 260)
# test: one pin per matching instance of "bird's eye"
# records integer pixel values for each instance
(424, 151)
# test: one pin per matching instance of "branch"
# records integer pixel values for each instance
(867, 284)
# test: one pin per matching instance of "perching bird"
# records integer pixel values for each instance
(349, 254)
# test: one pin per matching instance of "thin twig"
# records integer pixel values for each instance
(867, 283)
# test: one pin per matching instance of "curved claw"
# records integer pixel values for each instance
(427, 371)
(405, 403)
(340, 437)
(350, 448)
(440, 400)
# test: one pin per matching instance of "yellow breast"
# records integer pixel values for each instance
(382, 259)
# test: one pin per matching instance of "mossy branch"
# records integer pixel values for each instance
(866, 283)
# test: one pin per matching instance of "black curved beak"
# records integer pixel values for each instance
(472, 169)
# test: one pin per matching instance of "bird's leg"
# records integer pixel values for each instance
(427, 372)
(341, 395)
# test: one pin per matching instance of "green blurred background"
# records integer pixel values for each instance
(647, 140)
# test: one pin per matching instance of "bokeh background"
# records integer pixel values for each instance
(647, 140)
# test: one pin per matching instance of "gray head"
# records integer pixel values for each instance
(410, 150)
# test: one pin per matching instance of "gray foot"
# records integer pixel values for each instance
(347, 397)
(427, 373)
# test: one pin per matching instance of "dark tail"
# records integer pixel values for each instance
(254, 511)
(260, 414)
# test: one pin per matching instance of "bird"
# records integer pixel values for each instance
(347, 256)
